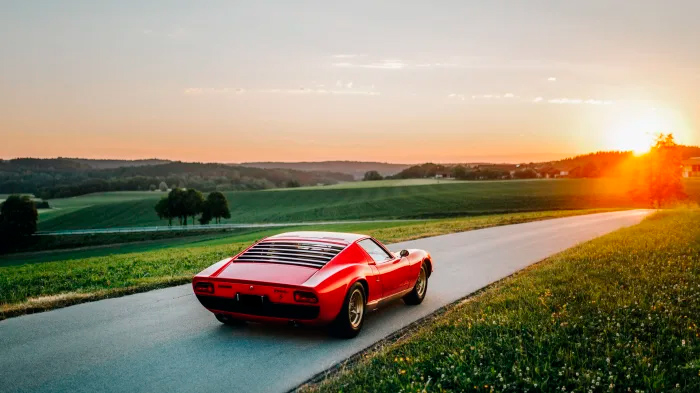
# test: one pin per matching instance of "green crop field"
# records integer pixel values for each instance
(63, 206)
(53, 279)
(376, 183)
(620, 313)
(448, 199)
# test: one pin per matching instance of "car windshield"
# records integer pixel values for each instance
(377, 253)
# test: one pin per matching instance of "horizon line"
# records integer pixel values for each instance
(475, 160)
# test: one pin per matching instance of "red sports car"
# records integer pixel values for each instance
(312, 278)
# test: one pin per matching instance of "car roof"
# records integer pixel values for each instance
(319, 235)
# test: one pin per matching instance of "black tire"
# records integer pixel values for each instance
(419, 290)
(348, 323)
(225, 319)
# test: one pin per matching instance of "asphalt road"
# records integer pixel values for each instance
(164, 341)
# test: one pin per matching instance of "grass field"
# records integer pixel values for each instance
(44, 283)
(64, 206)
(386, 202)
(620, 313)
(122, 246)
(59, 245)
(376, 183)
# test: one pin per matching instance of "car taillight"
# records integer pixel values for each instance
(305, 297)
(205, 287)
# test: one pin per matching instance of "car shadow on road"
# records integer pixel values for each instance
(303, 333)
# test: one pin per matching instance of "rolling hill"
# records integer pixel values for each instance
(355, 168)
(448, 199)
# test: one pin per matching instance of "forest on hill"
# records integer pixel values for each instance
(63, 177)
(592, 165)
(355, 168)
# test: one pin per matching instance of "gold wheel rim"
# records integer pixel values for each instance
(420, 284)
(356, 308)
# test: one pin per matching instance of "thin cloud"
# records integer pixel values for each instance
(493, 96)
(308, 91)
(436, 65)
(552, 79)
(579, 101)
(348, 56)
(383, 65)
(394, 64)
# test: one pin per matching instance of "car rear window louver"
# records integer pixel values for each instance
(302, 253)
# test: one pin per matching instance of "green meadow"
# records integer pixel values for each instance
(389, 200)
(620, 313)
(377, 183)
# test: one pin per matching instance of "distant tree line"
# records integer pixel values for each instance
(60, 178)
(459, 171)
(182, 204)
(599, 164)
(655, 177)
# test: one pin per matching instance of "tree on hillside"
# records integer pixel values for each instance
(665, 171)
(293, 184)
(218, 206)
(372, 175)
(590, 170)
(214, 207)
(526, 173)
(459, 172)
(163, 186)
(176, 205)
(206, 217)
(152, 187)
(181, 204)
(18, 217)
(163, 210)
(193, 203)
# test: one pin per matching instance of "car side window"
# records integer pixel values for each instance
(377, 253)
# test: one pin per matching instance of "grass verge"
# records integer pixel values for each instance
(620, 313)
(41, 286)
(35, 244)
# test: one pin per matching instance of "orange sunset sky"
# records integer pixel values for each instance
(396, 81)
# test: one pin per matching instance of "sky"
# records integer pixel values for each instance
(391, 81)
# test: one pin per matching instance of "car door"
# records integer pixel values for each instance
(392, 269)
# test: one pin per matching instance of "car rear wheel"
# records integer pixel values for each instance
(417, 295)
(223, 318)
(349, 321)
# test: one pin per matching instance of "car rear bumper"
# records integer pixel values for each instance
(248, 307)
(268, 302)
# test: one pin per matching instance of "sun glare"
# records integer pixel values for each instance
(637, 130)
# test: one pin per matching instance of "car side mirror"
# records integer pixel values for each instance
(403, 253)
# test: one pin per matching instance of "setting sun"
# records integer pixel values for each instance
(636, 130)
